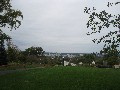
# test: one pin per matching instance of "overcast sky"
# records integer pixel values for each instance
(57, 25)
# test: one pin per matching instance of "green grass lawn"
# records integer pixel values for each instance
(62, 78)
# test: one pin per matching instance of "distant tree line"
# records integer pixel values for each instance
(36, 55)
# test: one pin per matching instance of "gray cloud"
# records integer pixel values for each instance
(57, 25)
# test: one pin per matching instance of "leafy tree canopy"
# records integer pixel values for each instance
(37, 51)
(104, 20)
(10, 18)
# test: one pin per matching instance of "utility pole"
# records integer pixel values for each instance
(63, 61)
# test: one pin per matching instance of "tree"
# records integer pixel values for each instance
(37, 51)
(3, 55)
(13, 53)
(105, 20)
(8, 18)
(111, 55)
(34, 54)
(88, 58)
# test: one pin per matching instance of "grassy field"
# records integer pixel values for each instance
(62, 78)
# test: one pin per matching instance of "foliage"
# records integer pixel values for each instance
(32, 59)
(51, 61)
(3, 55)
(111, 55)
(37, 51)
(8, 18)
(86, 59)
(15, 55)
(89, 58)
(34, 54)
(21, 57)
(105, 20)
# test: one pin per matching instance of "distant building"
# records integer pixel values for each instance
(69, 55)
(116, 66)
(81, 54)
(72, 64)
(93, 62)
(80, 63)
(66, 63)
